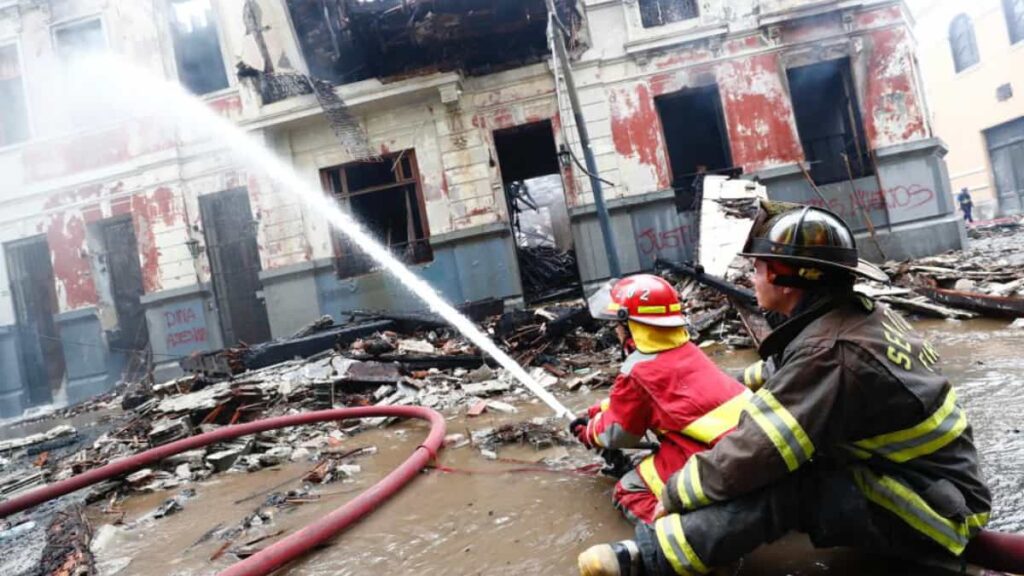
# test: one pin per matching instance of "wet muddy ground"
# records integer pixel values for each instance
(486, 519)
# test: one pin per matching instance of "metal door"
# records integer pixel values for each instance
(122, 254)
(35, 304)
(1006, 148)
(230, 233)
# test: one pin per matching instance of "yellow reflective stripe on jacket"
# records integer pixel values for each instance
(688, 486)
(944, 426)
(718, 421)
(785, 432)
(606, 404)
(894, 496)
(753, 376)
(650, 475)
(675, 547)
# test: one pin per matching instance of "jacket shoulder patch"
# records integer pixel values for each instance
(633, 359)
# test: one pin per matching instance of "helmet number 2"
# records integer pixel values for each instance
(645, 295)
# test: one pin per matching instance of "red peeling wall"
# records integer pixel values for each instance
(228, 106)
(636, 130)
(759, 114)
(893, 111)
(160, 205)
(88, 151)
(65, 232)
(72, 270)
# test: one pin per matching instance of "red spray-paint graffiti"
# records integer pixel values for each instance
(896, 199)
(185, 329)
(651, 241)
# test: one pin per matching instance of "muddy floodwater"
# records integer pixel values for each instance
(483, 519)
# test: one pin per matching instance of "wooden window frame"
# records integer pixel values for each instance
(348, 261)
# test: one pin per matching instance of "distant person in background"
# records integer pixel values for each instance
(966, 205)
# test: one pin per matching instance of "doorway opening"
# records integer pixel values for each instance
(829, 122)
(35, 306)
(538, 212)
(696, 138)
(1006, 151)
(230, 233)
(121, 267)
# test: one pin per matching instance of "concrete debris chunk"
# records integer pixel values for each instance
(502, 407)
(51, 434)
(488, 388)
(477, 408)
(205, 399)
(543, 377)
(415, 347)
(223, 459)
(194, 458)
(481, 374)
(168, 430)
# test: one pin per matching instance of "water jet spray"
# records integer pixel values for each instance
(122, 85)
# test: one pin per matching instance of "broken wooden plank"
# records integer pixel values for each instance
(922, 306)
(984, 304)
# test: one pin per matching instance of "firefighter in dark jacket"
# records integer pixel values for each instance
(666, 386)
(856, 438)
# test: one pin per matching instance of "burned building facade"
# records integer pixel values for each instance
(445, 127)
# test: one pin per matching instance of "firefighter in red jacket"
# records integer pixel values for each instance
(666, 386)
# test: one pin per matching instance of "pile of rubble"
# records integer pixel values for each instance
(986, 280)
(412, 360)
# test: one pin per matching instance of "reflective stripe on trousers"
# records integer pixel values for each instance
(898, 498)
(677, 550)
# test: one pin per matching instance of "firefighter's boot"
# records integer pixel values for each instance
(618, 559)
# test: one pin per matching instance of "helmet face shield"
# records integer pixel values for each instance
(601, 304)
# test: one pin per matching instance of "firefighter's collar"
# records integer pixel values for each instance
(779, 338)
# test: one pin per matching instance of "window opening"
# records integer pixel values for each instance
(1014, 10)
(655, 13)
(538, 212)
(13, 112)
(695, 135)
(963, 43)
(829, 122)
(197, 46)
(80, 39)
(385, 197)
(348, 41)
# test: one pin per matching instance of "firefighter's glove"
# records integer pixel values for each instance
(578, 428)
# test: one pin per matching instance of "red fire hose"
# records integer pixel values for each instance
(997, 551)
(299, 543)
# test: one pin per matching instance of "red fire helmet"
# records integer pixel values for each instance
(643, 298)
